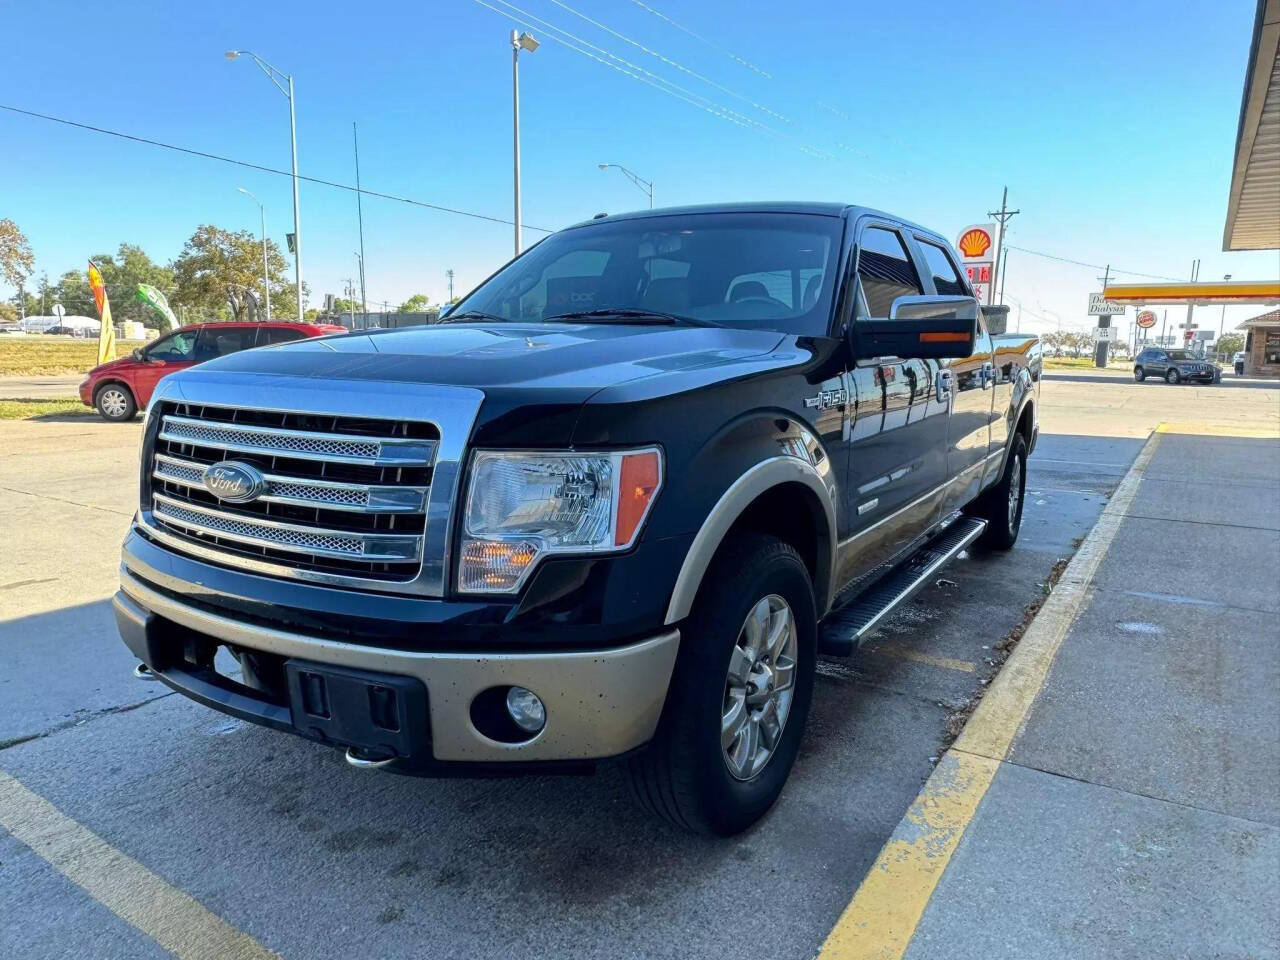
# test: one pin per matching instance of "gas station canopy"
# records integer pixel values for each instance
(1253, 206)
(1264, 292)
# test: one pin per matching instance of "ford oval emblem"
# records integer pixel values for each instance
(234, 481)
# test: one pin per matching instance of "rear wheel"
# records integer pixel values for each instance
(1139, 374)
(740, 694)
(1001, 505)
(1172, 376)
(115, 402)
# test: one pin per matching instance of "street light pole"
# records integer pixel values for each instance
(285, 87)
(1222, 324)
(519, 41)
(639, 181)
(262, 214)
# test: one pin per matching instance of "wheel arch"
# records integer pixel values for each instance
(114, 382)
(765, 498)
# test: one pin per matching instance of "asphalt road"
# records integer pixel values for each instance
(284, 841)
(40, 388)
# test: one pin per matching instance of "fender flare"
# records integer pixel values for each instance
(759, 479)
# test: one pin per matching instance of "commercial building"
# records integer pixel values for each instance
(1262, 345)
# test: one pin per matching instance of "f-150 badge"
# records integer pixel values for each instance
(826, 399)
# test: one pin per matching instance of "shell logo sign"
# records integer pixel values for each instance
(974, 243)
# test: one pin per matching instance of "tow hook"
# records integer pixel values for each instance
(143, 672)
(365, 760)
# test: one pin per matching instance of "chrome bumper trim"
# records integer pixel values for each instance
(600, 703)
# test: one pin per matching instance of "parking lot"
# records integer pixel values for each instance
(306, 857)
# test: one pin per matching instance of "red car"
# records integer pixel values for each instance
(119, 388)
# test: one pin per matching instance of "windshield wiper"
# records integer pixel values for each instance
(630, 314)
(473, 315)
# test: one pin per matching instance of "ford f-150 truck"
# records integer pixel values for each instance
(599, 511)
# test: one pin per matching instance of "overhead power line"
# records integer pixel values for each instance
(699, 37)
(636, 72)
(671, 63)
(264, 169)
(1094, 266)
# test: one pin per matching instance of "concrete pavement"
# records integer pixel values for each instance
(1130, 810)
(277, 838)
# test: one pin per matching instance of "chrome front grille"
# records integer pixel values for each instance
(342, 497)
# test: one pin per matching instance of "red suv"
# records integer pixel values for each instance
(119, 388)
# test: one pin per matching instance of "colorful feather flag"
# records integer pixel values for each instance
(106, 332)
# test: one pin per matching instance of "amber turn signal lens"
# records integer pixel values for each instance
(637, 485)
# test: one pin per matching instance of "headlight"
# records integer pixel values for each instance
(523, 506)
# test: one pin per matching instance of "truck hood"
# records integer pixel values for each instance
(569, 360)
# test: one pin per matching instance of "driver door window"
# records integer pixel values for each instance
(175, 348)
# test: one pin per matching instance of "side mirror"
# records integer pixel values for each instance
(919, 327)
(138, 354)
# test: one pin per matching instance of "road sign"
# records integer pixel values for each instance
(1098, 307)
(1104, 333)
(59, 310)
(1147, 319)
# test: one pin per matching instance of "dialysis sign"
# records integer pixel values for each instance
(977, 246)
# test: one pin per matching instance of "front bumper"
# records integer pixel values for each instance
(599, 703)
(86, 391)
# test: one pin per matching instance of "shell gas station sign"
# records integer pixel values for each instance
(977, 246)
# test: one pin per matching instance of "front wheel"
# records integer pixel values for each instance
(1172, 376)
(1139, 374)
(740, 694)
(115, 403)
(1001, 506)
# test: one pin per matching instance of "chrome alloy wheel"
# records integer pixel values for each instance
(113, 402)
(1015, 489)
(759, 688)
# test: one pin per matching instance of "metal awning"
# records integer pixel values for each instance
(1265, 292)
(1253, 207)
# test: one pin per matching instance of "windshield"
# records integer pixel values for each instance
(761, 271)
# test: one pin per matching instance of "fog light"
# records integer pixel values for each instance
(526, 709)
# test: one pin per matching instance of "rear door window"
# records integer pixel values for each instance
(269, 335)
(885, 270)
(220, 341)
(946, 279)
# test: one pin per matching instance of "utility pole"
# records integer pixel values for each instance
(1003, 217)
(1104, 323)
(355, 142)
(351, 294)
(1195, 275)
(1164, 322)
(449, 273)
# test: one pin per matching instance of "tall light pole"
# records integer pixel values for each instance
(266, 282)
(284, 83)
(519, 41)
(639, 181)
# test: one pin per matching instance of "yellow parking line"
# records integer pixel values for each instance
(1202, 428)
(944, 663)
(164, 913)
(882, 917)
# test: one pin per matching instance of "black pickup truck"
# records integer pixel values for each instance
(599, 511)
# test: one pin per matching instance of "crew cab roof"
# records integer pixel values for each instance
(809, 207)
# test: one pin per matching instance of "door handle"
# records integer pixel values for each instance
(942, 385)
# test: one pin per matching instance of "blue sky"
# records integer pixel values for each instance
(1113, 126)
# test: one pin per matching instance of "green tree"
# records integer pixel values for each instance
(415, 304)
(16, 260)
(1230, 343)
(219, 274)
(8, 312)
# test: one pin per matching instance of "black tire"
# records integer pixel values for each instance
(1004, 520)
(1172, 376)
(1139, 374)
(115, 402)
(683, 776)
